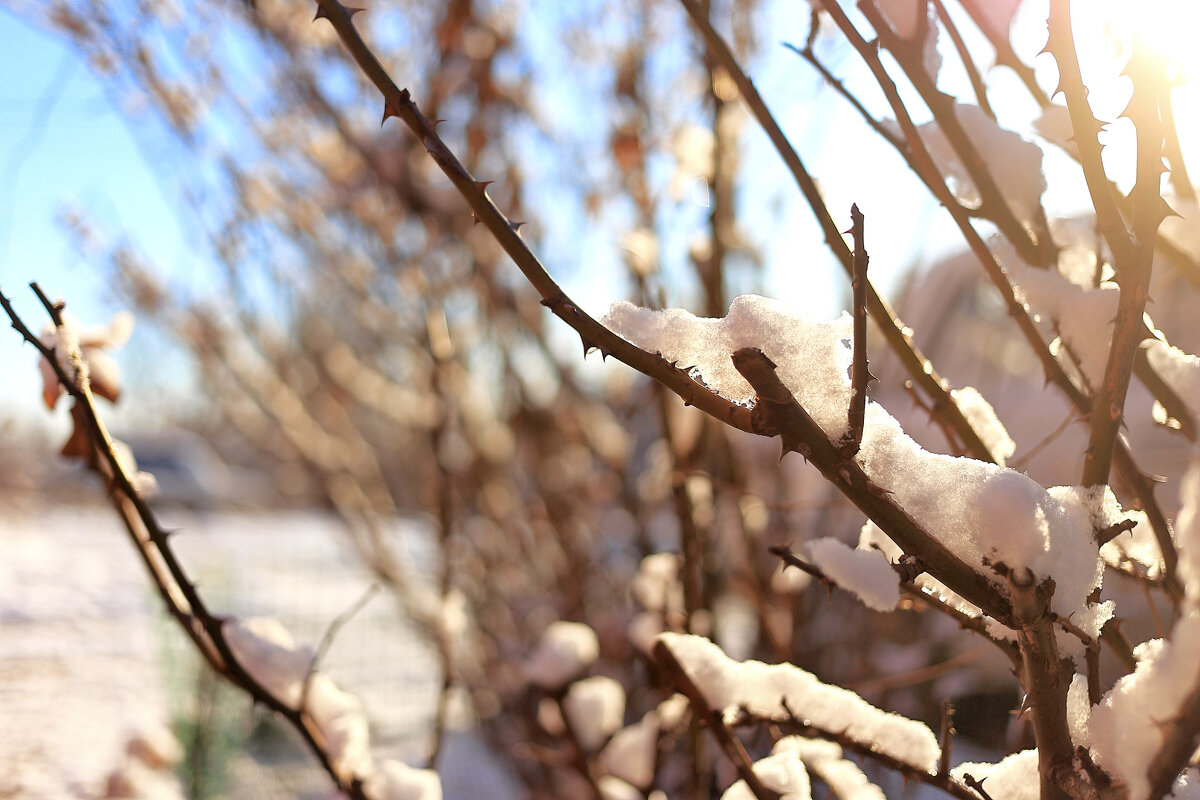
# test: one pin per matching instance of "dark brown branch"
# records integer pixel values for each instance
(860, 373)
(946, 737)
(1182, 738)
(964, 55)
(1045, 677)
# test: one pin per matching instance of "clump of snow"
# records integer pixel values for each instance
(1014, 778)
(595, 709)
(613, 788)
(269, 654)
(812, 357)
(630, 754)
(343, 725)
(1021, 181)
(1187, 786)
(656, 585)
(984, 513)
(564, 651)
(824, 760)
(1083, 316)
(983, 419)
(762, 689)
(1127, 728)
(1180, 370)
(1054, 125)
(1187, 533)
(865, 573)
(394, 780)
(1079, 709)
(781, 771)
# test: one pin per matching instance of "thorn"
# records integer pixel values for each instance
(482, 186)
(516, 227)
(436, 122)
(474, 219)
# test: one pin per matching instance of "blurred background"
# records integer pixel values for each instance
(338, 381)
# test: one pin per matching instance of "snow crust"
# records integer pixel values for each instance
(984, 513)
(562, 653)
(761, 689)
(865, 573)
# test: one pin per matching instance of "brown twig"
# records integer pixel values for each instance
(860, 373)
(946, 737)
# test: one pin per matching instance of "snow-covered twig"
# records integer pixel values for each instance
(734, 750)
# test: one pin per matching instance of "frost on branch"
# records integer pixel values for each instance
(986, 514)
(762, 689)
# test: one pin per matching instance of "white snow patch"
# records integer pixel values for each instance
(267, 651)
(595, 708)
(394, 780)
(984, 513)
(630, 754)
(983, 419)
(564, 651)
(1014, 778)
(1126, 729)
(781, 771)
(824, 760)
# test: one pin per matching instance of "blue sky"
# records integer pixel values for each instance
(63, 142)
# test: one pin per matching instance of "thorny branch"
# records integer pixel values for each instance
(795, 431)
(178, 591)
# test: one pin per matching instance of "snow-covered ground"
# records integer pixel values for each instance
(87, 657)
